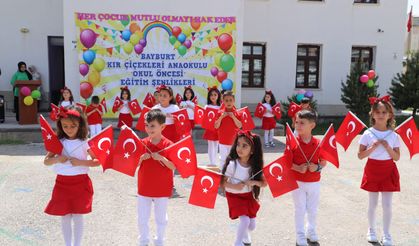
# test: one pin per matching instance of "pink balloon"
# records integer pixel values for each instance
(302, 91)
(84, 69)
(214, 71)
(187, 43)
(364, 78)
(138, 48)
(371, 74)
(25, 91)
(88, 38)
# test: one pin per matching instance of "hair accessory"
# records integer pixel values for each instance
(374, 100)
(247, 134)
(64, 112)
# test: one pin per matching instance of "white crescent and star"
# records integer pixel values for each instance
(48, 134)
(99, 144)
(180, 117)
(133, 104)
(292, 107)
(187, 160)
(331, 141)
(409, 135)
(200, 113)
(279, 177)
(206, 177)
(129, 140)
(213, 115)
(352, 126)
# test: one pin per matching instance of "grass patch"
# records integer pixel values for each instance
(11, 142)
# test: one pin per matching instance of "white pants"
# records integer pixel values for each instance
(95, 129)
(306, 200)
(269, 136)
(160, 216)
(213, 152)
(224, 152)
(386, 200)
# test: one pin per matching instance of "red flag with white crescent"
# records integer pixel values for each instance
(199, 113)
(116, 104)
(349, 129)
(246, 119)
(210, 117)
(260, 110)
(293, 109)
(182, 124)
(51, 142)
(205, 188)
(410, 135)
(178, 98)
(103, 104)
(102, 147)
(276, 110)
(195, 100)
(140, 123)
(327, 148)
(183, 156)
(134, 106)
(149, 100)
(55, 111)
(279, 177)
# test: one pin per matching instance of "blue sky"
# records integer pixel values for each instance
(415, 4)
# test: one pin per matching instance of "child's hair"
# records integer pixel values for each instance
(305, 100)
(168, 89)
(184, 93)
(391, 123)
(255, 160)
(71, 94)
(228, 93)
(307, 114)
(273, 100)
(125, 89)
(75, 115)
(156, 114)
(210, 90)
(95, 99)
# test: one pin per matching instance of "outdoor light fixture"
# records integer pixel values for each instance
(24, 30)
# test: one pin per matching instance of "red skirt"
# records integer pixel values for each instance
(380, 175)
(268, 123)
(71, 195)
(170, 133)
(210, 135)
(124, 118)
(242, 204)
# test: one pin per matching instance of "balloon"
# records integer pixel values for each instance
(84, 69)
(26, 91)
(94, 77)
(370, 83)
(140, 34)
(227, 62)
(172, 39)
(28, 100)
(177, 44)
(227, 84)
(218, 58)
(89, 56)
(35, 94)
(187, 31)
(86, 89)
(309, 94)
(143, 42)
(133, 27)
(182, 50)
(134, 39)
(126, 34)
(128, 48)
(99, 64)
(181, 37)
(225, 41)
(125, 22)
(138, 48)
(214, 71)
(301, 91)
(371, 74)
(221, 76)
(188, 43)
(299, 97)
(195, 25)
(88, 38)
(176, 31)
(364, 78)
(88, 101)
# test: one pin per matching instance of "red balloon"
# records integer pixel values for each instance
(195, 25)
(176, 31)
(86, 89)
(221, 76)
(371, 74)
(225, 41)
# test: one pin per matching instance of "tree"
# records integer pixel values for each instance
(404, 89)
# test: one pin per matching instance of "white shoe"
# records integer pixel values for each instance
(301, 240)
(248, 240)
(158, 242)
(312, 237)
(386, 241)
(372, 236)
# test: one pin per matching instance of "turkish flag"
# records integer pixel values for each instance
(276, 110)
(210, 117)
(409, 21)
(127, 152)
(178, 98)
(195, 100)
(349, 129)
(134, 107)
(55, 111)
(116, 104)
(246, 119)
(327, 149)
(149, 100)
(51, 142)
(102, 147)
(182, 124)
(140, 123)
(103, 104)
(290, 144)
(183, 156)
(293, 109)
(199, 113)
(82, 106)
(205, 188)
(410, 135)
(279, 177)
(260, 110)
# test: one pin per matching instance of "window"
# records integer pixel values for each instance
(362, 55)
(365, 1)
(253, 65)
(308, 66)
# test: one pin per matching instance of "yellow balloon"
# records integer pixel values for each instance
(140, 34)
(187, 31)
(94, 77)
(99, 64)
(218, 58)
(177, 44)
(128, 47)
(134, 39)
(28, 100)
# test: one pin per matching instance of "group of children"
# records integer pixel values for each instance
(241, 167)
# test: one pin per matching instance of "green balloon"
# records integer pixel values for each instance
(126, 22)
(35, 94)
(177, 44)
(218, 58)
(227, 62)
(88, 101)
(370, 83)
(134, 39)
(172, 40)
(128, 48)
(182, 50)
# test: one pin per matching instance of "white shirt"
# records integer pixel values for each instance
(268, 112)
(167, 110)
(74, 148)
(212, 106)
(371, 135)
(187, 105)
(125, 108)
(237, 173)
(66, 104)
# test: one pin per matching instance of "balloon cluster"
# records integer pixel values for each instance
(135, 39)
(368, 78)
(179, 39)
(225, 61)
(29, 95)
(303, 93)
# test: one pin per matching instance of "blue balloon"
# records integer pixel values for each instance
(308, 94)
(181, 38)
(89, 56)
(126, 34)
(299, 97)
(227, 84)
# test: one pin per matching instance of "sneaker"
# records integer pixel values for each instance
(272, 144)
(386, 241)
(248, 240)
(301, 240)
(372, 236)
(267, 145)
(312, 237)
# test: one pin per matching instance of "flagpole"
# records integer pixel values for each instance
(302, 152)
(318, 146)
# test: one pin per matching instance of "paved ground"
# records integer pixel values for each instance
(25, 188)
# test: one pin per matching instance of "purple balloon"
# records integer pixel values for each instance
(308, 94)
(84, 69)
(138, 48)
(214, 71)
(143, 42)
(88, 38)
(187, 43)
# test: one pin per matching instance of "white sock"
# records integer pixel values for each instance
(266, 137)
(372, 206)
(387, 211)
(242, 230)
(78, 228)
(66, 229)
(271, 135)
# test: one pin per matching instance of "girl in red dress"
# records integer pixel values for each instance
(124, 110)
(268, 120)
(213, 101)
